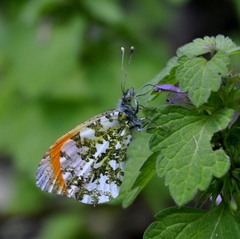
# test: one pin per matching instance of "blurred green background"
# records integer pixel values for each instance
(60, 65)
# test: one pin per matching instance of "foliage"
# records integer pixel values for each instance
(196, 145)
(187, 222)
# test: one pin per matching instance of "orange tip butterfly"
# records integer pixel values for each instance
(87, 163)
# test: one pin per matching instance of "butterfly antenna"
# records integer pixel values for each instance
(129, 62)
(148, 91)
(121, 72)
(143, 87)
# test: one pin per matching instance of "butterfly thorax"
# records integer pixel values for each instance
(126, 105)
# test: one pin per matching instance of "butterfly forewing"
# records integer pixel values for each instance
(87, 163)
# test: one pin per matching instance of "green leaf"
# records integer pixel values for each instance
(234, 51)
(199, 77)
(214, 102)
(172, 63)
(170, 78)
(226, 44)
(147, 171)
(166, 75)
(186, 157)
(198, 47)
(201, 46)
(189, 223)
(233, 135)
(231, 96)
(137, 154)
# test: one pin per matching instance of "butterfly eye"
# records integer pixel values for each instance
(128, 99)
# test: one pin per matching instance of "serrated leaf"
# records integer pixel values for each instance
(225, 44)
(186, 158)
(234, 50)
(198, 47)
(199, 77)
(189, 223)
(201, 46)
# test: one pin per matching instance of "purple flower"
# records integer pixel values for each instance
(175, 96)
(167, 87)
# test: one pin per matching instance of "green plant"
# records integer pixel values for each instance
(196, 146)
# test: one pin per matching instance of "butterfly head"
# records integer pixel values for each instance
(130, 106)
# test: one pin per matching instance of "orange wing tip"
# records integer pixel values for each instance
(49, 177)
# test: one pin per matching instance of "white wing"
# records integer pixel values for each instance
(88, 162)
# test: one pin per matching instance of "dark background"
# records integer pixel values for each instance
(60, 65)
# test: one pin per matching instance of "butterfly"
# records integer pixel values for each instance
(87, 163)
